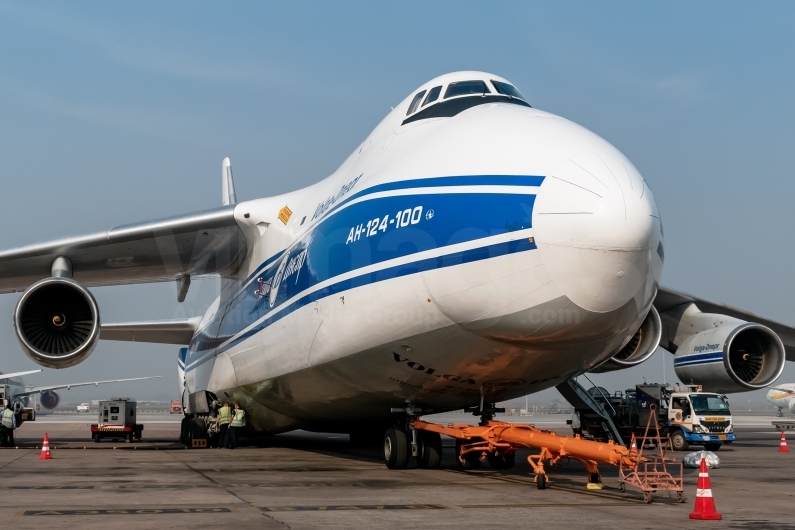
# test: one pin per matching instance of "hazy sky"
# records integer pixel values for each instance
(113, 113)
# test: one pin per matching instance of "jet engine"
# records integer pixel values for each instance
(639, 348)
(734, 357)
(57, 322)
(49, 399)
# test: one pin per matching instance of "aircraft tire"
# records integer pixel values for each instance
(430, 456)
(396, 448)
(678, 442)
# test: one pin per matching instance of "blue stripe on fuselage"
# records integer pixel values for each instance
(341, 243)
(448, 260)
(418, 184)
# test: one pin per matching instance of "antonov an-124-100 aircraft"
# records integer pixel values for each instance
(471, 250)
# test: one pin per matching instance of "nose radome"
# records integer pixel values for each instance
(596, 226)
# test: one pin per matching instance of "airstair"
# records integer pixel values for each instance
(580, 399)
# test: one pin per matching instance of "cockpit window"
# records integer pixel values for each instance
(466, 87)
(433, 95)
(506, 90)
(415, 102)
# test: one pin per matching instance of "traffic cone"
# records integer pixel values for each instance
(45, 449)
(705, 505)
(633, 446)
(783, 447)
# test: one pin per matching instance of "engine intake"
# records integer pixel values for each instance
(640, 347)
(57, 322)
(731, 358)
(49, 399)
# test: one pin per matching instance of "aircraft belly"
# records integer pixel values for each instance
(421, 369)
(444, 369)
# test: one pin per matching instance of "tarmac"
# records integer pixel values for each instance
(306, 480)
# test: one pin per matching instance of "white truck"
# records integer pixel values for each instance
(685, 414)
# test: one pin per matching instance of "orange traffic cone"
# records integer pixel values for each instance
(633, 446)
(705, 505)
(45, 449)
(782, 448)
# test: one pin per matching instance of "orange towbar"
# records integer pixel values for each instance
(500, 439)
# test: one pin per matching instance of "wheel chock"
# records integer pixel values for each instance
(594, 486)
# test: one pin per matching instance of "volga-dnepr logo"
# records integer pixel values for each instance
(706, 347)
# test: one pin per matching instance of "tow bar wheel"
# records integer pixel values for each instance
(396, 448)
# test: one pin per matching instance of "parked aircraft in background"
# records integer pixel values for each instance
(782, 397)
(472, 249)
(14, 391)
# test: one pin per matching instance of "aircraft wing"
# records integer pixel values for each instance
(39, 389)
(159, 331)
(197, 244)
(18, 374)
(668, 299)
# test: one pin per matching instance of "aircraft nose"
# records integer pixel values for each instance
(597, 228)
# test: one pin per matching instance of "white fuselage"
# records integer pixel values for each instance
(782, 397)
(499, 252)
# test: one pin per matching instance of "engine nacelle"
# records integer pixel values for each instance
(640, 347)
(49, 399)
(57, 322)
(733, 357)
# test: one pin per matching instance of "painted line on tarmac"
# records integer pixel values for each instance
(263, 485)
(596, 494)
(77, 487)
(130, 511)
(291, 470)
(346, 507)
(544, 505)
(550, 485)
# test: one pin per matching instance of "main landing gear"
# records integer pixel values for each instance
(398, 448)
(405, 440)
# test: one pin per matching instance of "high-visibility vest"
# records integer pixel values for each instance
(238, 419)
(8, 419)
(224, 416)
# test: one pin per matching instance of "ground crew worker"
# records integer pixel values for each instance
(9, 423)
(222, 421)
(238, 421)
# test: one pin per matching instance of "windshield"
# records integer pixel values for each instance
(506, 89)
(709, 404)
(461, 88)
